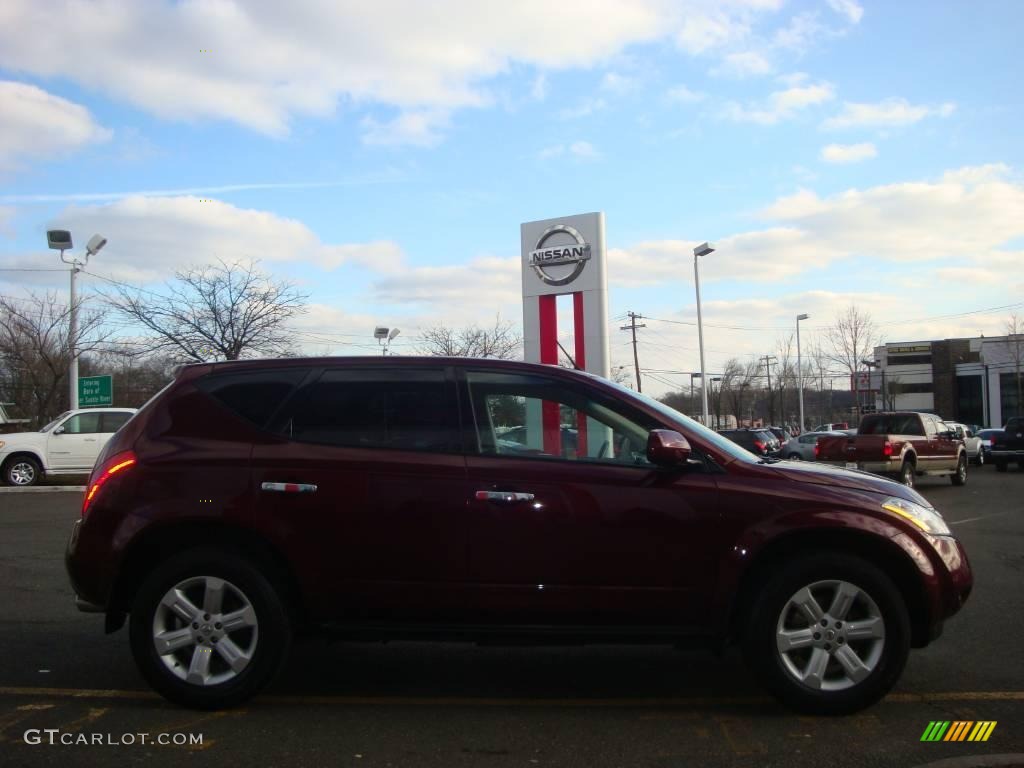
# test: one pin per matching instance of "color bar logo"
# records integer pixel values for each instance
(958, 730)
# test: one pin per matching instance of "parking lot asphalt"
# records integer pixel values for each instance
(427, 704)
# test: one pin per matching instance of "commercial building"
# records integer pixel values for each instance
(973, 381)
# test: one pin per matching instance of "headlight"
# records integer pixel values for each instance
(925, 518)
(2, 443)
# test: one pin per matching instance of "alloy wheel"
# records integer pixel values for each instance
(830, 648)
(21, 473)
(205, 631)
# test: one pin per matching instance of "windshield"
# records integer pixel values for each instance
(49, 426)
(704, 433)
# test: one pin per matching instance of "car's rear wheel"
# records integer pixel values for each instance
(21, 471)
(830, 634)
(980, 459)
(208, 629)
(907, 473)
(795, 457)
(959, 477)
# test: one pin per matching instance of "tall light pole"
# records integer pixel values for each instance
(800, 369)
(701, 250)
(718, 400)
(60, 240)
(384, 337)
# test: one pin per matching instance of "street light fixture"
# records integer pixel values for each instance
(384, 337)
(800, 369)
(701, 250)
(60, 240)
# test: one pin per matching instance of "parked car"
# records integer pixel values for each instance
(1009, 445)
(903, 444)
(803, 448)
(971, 442)
(369, 495)
(836, 426)
(782, 434)
(987, 436)
(760, 442)
(68, 445)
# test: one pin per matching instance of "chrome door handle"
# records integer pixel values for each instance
(289, 487)
(504, 497)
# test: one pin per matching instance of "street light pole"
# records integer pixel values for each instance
(701, 250)
(800, 369)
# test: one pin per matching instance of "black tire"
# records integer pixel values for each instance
(1000, 466)
(795, 457)
(979, 460)
(21, 471)
(907, 473)
(959, 476)
(765, 660)
(269, 641)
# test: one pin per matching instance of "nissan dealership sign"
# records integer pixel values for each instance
(545, 257)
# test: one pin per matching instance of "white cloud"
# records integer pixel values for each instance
(584, 108)
(743, 64)
(262, 64)
(580, 150)
(539, 89)
(37, 124)
(6, 215)
(416, 128)
(584, 150)
(781, 105)
(680, 94)
(485, 285)
(973, 210)
(151, 237)
(848, 153)
(885, 114)
(852, 10)
(618, 84)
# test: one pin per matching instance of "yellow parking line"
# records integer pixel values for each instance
(468, 701)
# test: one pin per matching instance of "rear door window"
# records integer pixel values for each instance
(407, 410)
(253, 395)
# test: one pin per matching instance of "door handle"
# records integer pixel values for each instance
(289, 487)
(504, 497)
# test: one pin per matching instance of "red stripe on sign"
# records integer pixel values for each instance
(291, 487)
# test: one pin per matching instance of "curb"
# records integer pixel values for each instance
(45, 489)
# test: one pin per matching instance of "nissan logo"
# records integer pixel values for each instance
(576, 253)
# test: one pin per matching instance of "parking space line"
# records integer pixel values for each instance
(973, 519)
(21, 713)
(469, 701)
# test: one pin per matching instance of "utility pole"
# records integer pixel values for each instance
(633, 317)
(771, 402)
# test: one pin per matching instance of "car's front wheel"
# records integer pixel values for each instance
(830, 634)
(795, 457)
(208, 629)
(22, 471)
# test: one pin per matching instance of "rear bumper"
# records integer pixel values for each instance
(887, 467)
(1005, 455)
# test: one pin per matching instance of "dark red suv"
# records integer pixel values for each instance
(481, 500)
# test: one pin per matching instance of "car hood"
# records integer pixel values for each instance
(21, 438)
(823, 474)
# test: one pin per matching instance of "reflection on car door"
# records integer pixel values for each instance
(584, 534)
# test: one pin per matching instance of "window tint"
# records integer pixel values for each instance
(409, 410)
(532, 416)
(113, 421)
(253, 395)
(82, 424)
(892, 424)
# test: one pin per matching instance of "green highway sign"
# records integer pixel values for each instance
(95, 390)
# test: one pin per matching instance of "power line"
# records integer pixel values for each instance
(633, 317)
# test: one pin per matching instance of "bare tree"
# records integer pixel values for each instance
(216, 312)
(34, 352)
(501, 341)
(852, 338)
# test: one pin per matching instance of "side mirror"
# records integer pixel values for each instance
(667, 448)
(59, 431)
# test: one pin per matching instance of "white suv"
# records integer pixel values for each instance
(68, 445)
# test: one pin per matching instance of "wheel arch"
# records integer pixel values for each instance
(154, 547)
(24, 453)
(876, 550)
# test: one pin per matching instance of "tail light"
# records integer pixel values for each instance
(887, 449)
(759, 445)
(817, 448)
(112, 466)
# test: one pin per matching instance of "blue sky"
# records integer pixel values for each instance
(383, 155)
